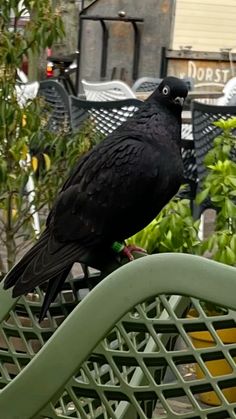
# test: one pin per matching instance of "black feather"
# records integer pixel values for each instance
(115, 190)
(55, 285)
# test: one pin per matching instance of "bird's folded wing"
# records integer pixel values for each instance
(103, 188)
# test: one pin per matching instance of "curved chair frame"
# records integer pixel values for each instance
(45, 377)
(146, 84)
(108, 90)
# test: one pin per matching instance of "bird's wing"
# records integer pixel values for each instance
(109, 182)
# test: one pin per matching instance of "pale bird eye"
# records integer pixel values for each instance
(165, 90)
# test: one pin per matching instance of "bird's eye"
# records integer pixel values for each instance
(165, 90)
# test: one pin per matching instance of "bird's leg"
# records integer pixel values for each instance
(127, 251)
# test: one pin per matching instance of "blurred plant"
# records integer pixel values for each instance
(19, 125)
(44, 27)
(220, 187)
(173, 230)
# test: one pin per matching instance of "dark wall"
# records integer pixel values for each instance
(155, 33)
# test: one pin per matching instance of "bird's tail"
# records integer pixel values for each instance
(54, 287)
(16, 272)
(40, 264)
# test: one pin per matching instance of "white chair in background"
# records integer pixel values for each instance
(26, 91)
(21, 76)
(229, 91)
(107, 91)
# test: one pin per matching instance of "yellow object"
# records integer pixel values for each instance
(47, 161)
(23, 120)
(34, 162)
(216, 367)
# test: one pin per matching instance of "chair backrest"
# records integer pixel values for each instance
(104, 117)
(57, 111)
(108, 90)
(146, 84)
(26, 92)
(204, 132)
(21, 76)
(189, 161)
(21, 334)
(130, 349)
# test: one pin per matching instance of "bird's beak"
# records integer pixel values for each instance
(179, 100)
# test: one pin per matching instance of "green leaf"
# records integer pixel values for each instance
(202, 196)
(230, 208)
(230, 256)
(223, 240)
(217, 198)
(233, 243)
(232, 180)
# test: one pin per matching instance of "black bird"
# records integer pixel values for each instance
(115, 190)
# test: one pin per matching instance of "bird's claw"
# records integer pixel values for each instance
(128, 250)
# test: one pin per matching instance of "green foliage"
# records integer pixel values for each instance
(20, 126)
(44, 27)
(173, 230)
(220, 186)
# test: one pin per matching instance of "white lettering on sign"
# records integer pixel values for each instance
(208, 74)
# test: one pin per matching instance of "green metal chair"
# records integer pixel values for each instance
(21, 334)
(114, 353)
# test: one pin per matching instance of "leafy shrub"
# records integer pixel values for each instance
(174, 229)
(19, 125)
